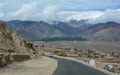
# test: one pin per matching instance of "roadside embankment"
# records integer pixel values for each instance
(39, 66)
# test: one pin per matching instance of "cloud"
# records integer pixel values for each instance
(1, 15)
(60, 10)
(32, 11)
(78, 15)
(49, 13)
(24, 13)
(1, 5)
(108, 15)
(1, 12)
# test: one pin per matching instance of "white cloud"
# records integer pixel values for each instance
(24, 13)
(108, 15)
(1, 15)
(2, 5)
(32, 11)
(50, 10)
(1, 12)
(49, 13)
(62, 10)
(81, 15)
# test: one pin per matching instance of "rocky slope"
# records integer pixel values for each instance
(109, 31)
(66, 29)
(33, 30)
(109, 34)
(9, 40)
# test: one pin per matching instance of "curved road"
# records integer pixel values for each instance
(68, 67)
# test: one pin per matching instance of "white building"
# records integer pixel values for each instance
(91, 62)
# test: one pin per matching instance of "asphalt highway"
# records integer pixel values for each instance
(69, 67)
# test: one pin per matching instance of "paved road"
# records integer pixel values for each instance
(68, 67)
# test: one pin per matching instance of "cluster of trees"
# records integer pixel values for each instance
(77, 38)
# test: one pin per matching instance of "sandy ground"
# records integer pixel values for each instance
(40, 66)
(108, 47)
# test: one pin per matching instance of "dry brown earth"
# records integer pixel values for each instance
(40, 66)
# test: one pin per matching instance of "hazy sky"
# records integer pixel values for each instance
(62, 10)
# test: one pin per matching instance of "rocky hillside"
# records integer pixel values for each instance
(109, 31)
(33, 30)
(66, 29)
(110, 34)
(100, 26)
(9, 40)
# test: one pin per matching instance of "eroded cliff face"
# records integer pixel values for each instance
(9, 40)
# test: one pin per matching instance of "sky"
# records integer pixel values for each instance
(94, 11)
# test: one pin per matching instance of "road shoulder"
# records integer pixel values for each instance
(79, 61)
(40, 66)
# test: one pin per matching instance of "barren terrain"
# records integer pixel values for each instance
(93, 45)
(40, 66)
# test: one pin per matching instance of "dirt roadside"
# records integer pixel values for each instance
(40, 66)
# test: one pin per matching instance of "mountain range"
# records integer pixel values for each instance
(109, 31)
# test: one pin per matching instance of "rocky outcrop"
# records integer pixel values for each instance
(13, 47)
(10, 40)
